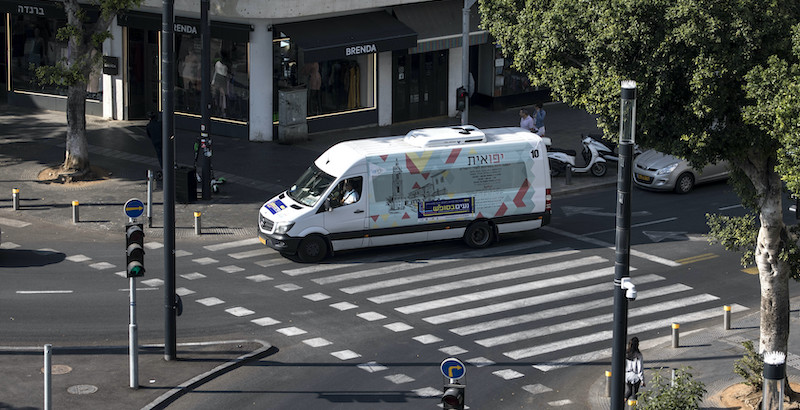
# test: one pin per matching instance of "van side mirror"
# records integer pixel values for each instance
(327, 205)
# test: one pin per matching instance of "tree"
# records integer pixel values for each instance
(707, 91)
(680, 392)
(84, 53)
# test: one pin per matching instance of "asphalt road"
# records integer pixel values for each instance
(530, 316)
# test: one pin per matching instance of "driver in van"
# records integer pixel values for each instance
(350, 194)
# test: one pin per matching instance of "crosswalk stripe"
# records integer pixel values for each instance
(533, 351)
(400, 267)
(413, 256)
(605, 244)
(252, 253)
(13, 223)
(533, 301)
(483, 280)
(593, 321)
(233, 244)
(452, 272)
(508, 290)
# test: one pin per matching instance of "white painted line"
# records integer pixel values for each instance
(508, 374)
(259, 278)
(13, 223)
(205, 261)
(78, 258)
(291, 331)
(271, 262)
(183, 292)
(234, 244)
(102, 265)
(448, 287)
(240, 311)
(461, 270)
(398, 327)
(42, 292)
(46, 252)
(153, 283)
(371, 316)
(372, 367)
(596, 355)
(210, 301)
(564, 310)
(250, 254)
(536, 388)
(343, 306)
(399, 378)
(604, 244)
(427, 392)
(453, 350)
(193, 276)
(656, 222)
(143, 289)
(560, 403)
(498, 292)
(230, 269)
(345, 355)
(266, 321)
(180, 253)
(317, 342)
(122, 274)
(725, 208)
(480, 362)
(369, 272)
(316, 297)
(8, 245)
(427, 339)
(153, 245)
(289, 287)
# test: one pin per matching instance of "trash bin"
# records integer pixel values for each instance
(185, 185)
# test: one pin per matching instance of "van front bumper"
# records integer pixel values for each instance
(281, 243)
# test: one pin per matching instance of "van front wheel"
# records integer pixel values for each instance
(479, 235)
(312, 249)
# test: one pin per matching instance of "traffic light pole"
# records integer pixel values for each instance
(168, 130)
(133, 339)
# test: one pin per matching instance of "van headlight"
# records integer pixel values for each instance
(668, 169)
(283, 227)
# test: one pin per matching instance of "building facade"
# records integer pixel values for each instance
(360, 62)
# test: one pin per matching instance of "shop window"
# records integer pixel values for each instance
(333, 86)
(34, 44)
(230, 78)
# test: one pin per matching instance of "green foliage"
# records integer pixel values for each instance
(735, 233)
(750, 366)
(664, 394)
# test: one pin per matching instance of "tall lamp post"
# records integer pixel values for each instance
(623, 242)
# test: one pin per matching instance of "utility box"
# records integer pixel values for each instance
(292, 112)
(185, 185)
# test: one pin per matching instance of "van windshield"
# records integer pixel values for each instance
(310, 186)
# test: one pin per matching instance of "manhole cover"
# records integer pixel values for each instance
(59, 369)
(82, 389)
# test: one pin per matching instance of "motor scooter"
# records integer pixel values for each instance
(560, 159)
(608, 149)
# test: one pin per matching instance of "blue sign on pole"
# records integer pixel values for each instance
(452, 368)
(134, 208)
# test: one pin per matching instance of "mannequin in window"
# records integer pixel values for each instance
(219, 84)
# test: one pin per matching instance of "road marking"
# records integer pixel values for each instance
(42, 292)
(634, 226)
(240, 311)
(291, 331)
(698, 258)
(372, 367)
(259, 278)
(398, 327)
(508, 374)
(153, 283)
(316, 297)
(660, 236)
(265, 321)
(205, 261)
(345, 355)
(250, 254)
(651, 258)
(725, 208)
(78, 258)
(234, 244)
(368, 272)
(536, 388)
(8, 245)
(479, 281)
(183, 292)
(559, 403)
(210, 301)
(193, 276)
(399, 378)
(371, 316)
(289, 287)
(453, 350)
(572, 210)
(427, 339)
(230, 269)
(13, 223)
(102, 265)
(751, 271)
(317, 342)
(344, 306)
(427, 392)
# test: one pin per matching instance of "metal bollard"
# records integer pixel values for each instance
(676, 335)
(150, 184)
(631, 403)
(608, 383)
(75, 212)
(568, 175)
(48, 396)
(197, 227)
(15, 199)
(726, 317)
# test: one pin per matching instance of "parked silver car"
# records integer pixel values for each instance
(656, 170)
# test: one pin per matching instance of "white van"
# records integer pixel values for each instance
(431, 184)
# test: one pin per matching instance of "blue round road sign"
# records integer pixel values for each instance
(452, 368)
(134, 208)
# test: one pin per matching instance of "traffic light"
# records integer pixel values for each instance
(453, 397)
(134, 251)
(461, 98)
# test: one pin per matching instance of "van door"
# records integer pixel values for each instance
(347, 216)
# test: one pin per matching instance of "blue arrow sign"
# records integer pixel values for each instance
(134, 208)
(452, 368)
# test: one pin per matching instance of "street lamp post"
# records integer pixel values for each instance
(623, 236)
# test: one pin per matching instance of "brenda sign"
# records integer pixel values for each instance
(362, 49)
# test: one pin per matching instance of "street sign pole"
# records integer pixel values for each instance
(133, 342)
(133, 209)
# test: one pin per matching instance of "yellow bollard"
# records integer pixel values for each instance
(726, 318)
(75, 214)
(197, 227)
(676, 335)
(608, 383)
(15, 199)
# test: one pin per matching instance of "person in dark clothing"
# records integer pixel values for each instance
(154, 132)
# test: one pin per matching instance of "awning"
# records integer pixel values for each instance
(345, 36)
(439, 24)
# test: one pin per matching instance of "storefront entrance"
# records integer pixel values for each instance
(143, 80)
(419, 85)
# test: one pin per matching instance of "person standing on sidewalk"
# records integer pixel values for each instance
(634, 369)
(538, 119)
(525, 120)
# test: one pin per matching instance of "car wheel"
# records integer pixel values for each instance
(479, 235)
(599, 169)
(312, 249)
(684, 183)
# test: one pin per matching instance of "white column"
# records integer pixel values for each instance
(385, 88)
(112, 85)
(261, 81)
(453, 79)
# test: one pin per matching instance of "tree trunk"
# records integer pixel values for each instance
(77, 149)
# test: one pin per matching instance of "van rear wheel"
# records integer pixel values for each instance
(479, 235)
(312, 249)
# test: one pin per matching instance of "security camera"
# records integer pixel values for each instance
(630, 288)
